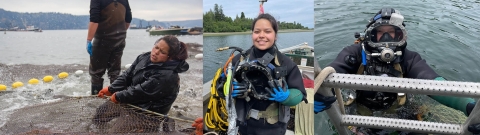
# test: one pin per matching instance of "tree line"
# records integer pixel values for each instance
(60, 21)
(215, 21)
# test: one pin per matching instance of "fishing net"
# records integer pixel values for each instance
(417, 107)
(91, 115)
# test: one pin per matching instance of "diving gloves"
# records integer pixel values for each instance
(89, 47)
(322, 103)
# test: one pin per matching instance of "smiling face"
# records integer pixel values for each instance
(263, 35)
(159, 52)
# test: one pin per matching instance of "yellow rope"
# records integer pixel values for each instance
(216, 115)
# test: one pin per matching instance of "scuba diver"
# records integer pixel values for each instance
(381, 51)
(265, 82)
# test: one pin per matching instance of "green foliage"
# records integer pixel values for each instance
(215, 21)
(61, 21)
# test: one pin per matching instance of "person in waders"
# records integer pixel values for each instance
(107, 30)
(381, 51)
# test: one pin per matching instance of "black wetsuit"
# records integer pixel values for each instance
(109, 39)
(349, 59)
(261, 127)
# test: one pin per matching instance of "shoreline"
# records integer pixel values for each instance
(248, 32)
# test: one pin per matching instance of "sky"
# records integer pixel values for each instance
(283, 10)
(160, 10)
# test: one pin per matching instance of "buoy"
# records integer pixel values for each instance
(3, 87)
(17, 84)
(33, 81)
(199, 56)
(48, 78)
(128, 66)
(63, 75)
(78, 72)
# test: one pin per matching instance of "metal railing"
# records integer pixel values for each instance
(399, 85)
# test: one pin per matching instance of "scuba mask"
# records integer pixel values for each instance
(385, 35)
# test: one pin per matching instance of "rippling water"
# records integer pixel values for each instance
(445, 33)
(26, 55)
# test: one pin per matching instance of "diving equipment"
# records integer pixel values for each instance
(385, 36)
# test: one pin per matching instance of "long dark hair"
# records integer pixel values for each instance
(178, 49)
(270, 18)
(272, 21)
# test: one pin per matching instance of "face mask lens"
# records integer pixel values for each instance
(386, 33)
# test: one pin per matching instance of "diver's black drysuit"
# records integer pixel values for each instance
(349, 60)
(251, 126)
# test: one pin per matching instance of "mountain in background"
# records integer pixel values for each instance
(61, 21)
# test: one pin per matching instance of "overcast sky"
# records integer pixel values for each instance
(161, 10)
(283, 10)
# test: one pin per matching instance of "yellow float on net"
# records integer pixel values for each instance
(3, 87)
(17, 84)
(63, 75)
(48, 78)
(33, 81)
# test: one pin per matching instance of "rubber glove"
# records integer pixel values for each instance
(103, 92)
(112, 98)
(89, 47)
(239, 89)
(198, 125)
(279, 95)
(474, 128)
(322, 103)
(470, 107)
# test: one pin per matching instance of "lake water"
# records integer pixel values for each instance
(26, 55)
(214, 60)
(445, 33)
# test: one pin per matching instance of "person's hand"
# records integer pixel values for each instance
(239, 89)
(279, 95)
(474, 128)
(89, 47)
(322, 103)
(470, 107)
(112, 98)
(103, 92)
(198, 125)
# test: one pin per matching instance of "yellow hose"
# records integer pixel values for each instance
(226, 87)
(216, 115)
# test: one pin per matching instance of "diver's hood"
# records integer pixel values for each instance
(385, 35)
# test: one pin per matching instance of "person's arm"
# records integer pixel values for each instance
(459, 103)
(419, 69)
(128, 15)
(348, 60)
(295, 86)
(94, 18)
(92, 28)
(125, 79)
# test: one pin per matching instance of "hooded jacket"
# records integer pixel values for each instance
(152, 86)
